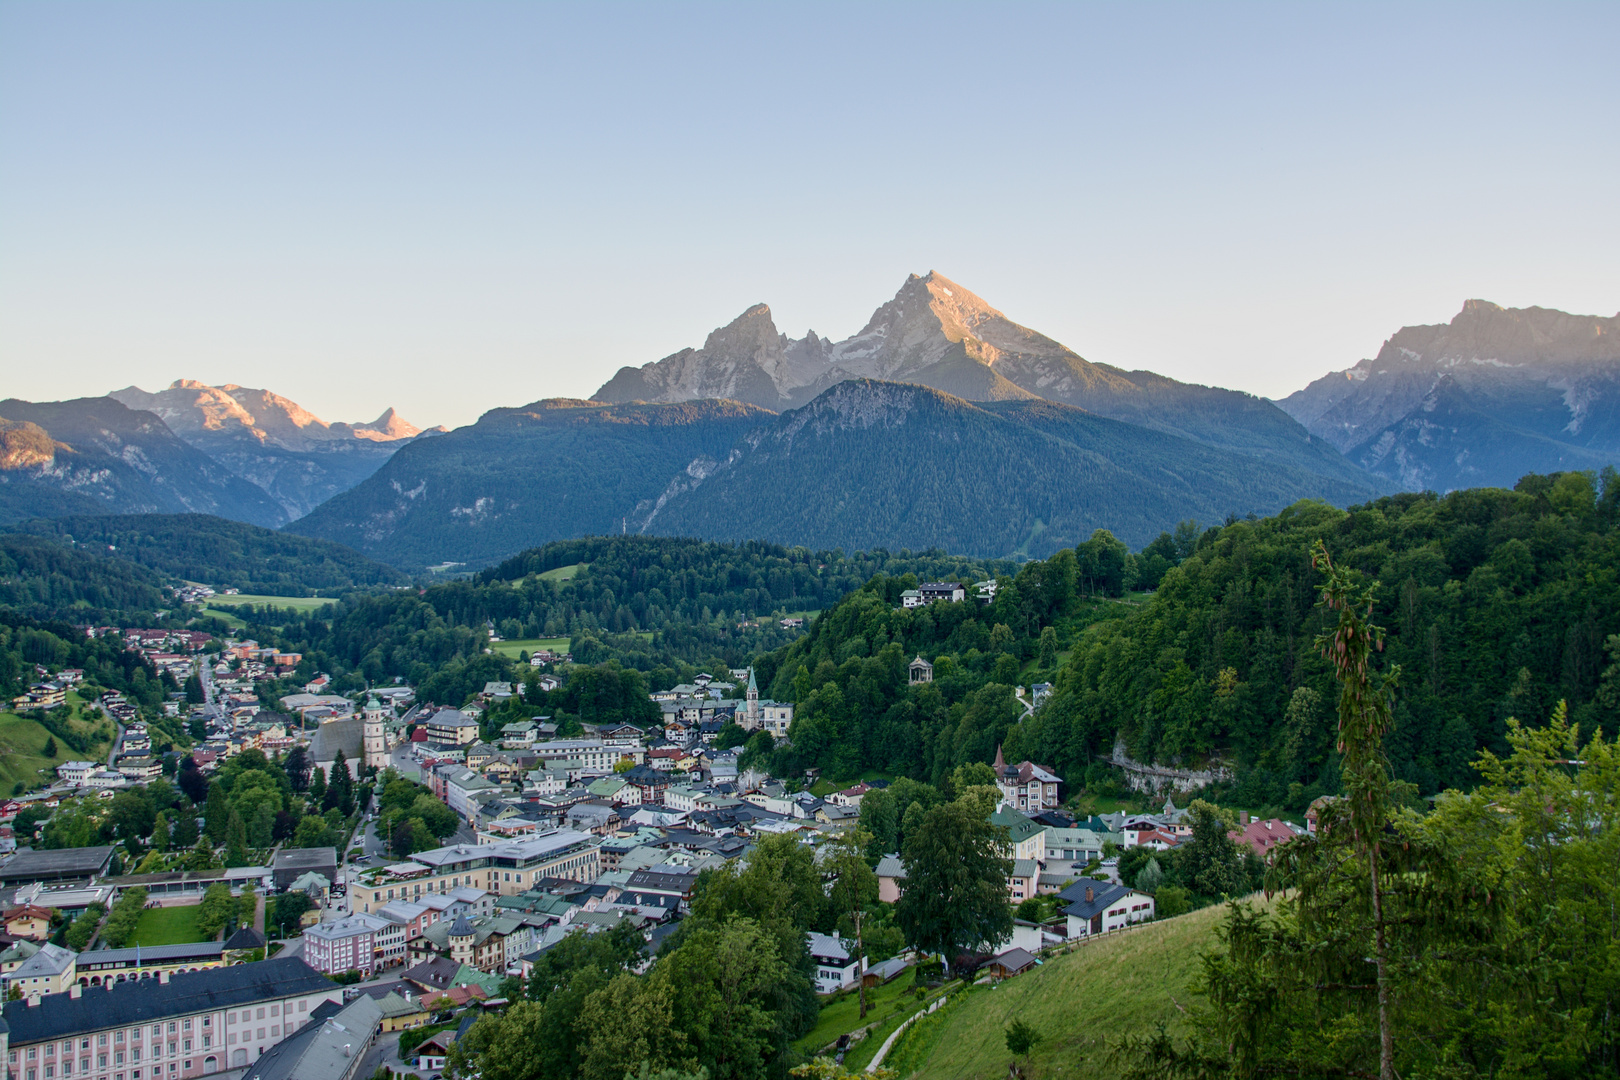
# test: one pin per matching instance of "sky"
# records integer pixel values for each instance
(449, 207)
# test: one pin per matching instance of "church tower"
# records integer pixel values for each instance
(374, 742)
(752, 721)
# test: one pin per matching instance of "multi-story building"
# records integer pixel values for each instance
(351, 943)
(49, 971)
(1027, 786)
(197, 1025)
(451, 727)
(76, 772)
(505, 868)
(591, 754)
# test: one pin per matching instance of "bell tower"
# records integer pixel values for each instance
(374, 742)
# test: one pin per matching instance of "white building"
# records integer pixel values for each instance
(374, 735)
(1098, 907)
(76, 773)
(348, 944)
(835, 967)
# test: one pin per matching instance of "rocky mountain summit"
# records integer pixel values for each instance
(938, 334)
(296, 457)
(1481, 400)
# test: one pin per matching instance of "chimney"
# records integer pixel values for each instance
(1243, 819)
(1089, 894)
(74, 991)
(163, 978)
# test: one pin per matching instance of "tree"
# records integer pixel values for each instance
(297, 767)
(1021, 1040)
(194, 690)
(340, 787)
(50, 747)
(1211, 862)
(217, 908)
(160, 832)
(192, 781)
(216, 813)
(852, 887)
(317, 787)
(956, 881)
(1364, 716)
(236, 841)
(1046, 659)
(184, 832)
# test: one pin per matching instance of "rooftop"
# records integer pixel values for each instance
(128, 1003)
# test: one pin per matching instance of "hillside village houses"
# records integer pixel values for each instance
(561, 835)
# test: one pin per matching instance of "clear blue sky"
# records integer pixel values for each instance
(449, 207)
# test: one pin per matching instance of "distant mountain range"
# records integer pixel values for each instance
(941, 423)
(1480, 401)
(248, 455)
(866, 464)
(936, 333)
(297, 458)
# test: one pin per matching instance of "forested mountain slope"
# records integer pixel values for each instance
(1498, 603)
(44, 578)
(649, 603)
(94, 455)
(517, 478)
(874, 464)
(224, 554)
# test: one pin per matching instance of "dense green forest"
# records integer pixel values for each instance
(666, 607)
(45, 579)
(27, 644)
(225, 554)
(1499, 603)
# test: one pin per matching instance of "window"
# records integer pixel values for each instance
(186, 1024)
(118, 1037)
(261, 1012)
(303, 1006)
(171, 1027)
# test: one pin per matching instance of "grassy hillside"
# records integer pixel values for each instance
(22, 746)
(1082, 1003)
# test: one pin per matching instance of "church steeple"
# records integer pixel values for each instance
(1001, 763)
(753, 697)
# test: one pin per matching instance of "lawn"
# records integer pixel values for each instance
(827, 785)
(296, 603)
(887, 1006)
(1081, 1003)
(563, 573)
(167, 926)
(22, 745)
(531, 645)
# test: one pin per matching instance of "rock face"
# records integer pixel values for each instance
(94, 455)
(936, 333)
(296, 457)
(1482, 400)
